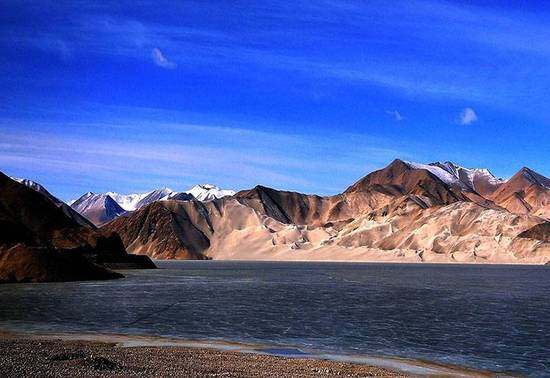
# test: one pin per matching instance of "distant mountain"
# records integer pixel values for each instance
(439, 212)
(62, 205)
(135, 201)
(208, 192)
(98, 208)
(39, 242)
(154, 196)
(179, 196)
(127, 201)
(202, 192)
(131, 202)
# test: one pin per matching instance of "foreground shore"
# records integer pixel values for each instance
(41, 357)
(91, 355)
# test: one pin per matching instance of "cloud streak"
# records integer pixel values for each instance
(160, 60)
(231, 157)
(395, 115)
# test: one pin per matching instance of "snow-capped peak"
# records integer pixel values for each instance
(126, 201)
(463, 178)
(207, 192)
(91, 200)
(441, 173)
(134, 201)
(471, 177)
(39, 188)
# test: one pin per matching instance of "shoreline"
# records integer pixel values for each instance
(396, 262)
(262, 359)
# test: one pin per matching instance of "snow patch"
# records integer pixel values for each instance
(439, 172)
(208, 192)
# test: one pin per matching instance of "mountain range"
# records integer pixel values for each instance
(438, 212)
(104, 207)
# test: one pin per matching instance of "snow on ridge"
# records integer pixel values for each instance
(207, 192)
(439, 172)
(455, 175)
(134, 201)
(92, 201)
(126, 201)
(469, 176)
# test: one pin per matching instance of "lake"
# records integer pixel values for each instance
(481, 316)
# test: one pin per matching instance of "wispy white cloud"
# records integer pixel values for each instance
(396, 115)
(160, 60)
(467, 116)
(232, 157)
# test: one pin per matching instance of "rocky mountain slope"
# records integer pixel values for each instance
(40, 242)
(167, 230)
(73, 214)
(97, 208)
(403, 212)
(527, 192)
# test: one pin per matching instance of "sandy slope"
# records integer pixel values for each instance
(460, 232)
(399, 213)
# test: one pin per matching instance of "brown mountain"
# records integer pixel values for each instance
(527, 192)
(400, 178)
(403, 212)
(35, 230)
(166, 230)
(293, 207)
(73, 214)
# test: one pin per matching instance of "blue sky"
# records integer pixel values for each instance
(301, 95)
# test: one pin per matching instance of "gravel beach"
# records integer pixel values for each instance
(35, 357)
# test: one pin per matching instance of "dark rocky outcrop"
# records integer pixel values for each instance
(538, 232)
(40, 231)
(22, 263)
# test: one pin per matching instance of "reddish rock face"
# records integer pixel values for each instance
(527, 192)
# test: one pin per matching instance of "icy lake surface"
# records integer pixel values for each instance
(481, 316)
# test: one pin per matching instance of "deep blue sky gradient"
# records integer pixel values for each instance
(302, 95)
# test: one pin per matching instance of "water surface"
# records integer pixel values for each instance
(481, 316)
